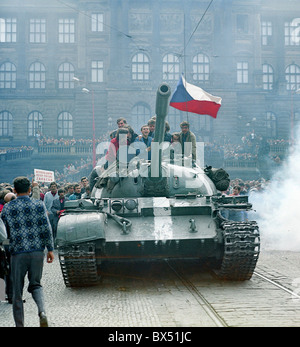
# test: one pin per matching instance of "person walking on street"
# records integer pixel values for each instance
(29, 233)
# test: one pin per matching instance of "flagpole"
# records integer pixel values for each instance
(184, 60)
(186, 44)
(186, 101)
(94, 129)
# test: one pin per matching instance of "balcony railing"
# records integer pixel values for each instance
(239, 163)
(279, 148)
(14, 155)
(65, 149)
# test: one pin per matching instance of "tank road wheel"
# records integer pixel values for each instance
(241, 250)
(78, 265)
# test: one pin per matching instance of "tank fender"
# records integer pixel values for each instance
(80, 227)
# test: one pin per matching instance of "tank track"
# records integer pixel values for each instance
(78, 264)
(241, 250)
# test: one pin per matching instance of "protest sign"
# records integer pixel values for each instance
(43, 175)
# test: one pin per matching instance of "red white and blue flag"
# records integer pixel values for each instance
(190, 98)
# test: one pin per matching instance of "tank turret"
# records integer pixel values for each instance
(157, 208)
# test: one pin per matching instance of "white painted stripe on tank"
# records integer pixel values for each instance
(163, 224)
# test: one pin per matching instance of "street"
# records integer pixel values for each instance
(171, 294)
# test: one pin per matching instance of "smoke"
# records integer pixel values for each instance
(277, 207)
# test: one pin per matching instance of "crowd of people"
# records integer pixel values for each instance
(251, 147)
(15, 149)
(73, 170)
(14, 152)
(141, 143)
(52, 141)
(248, 186)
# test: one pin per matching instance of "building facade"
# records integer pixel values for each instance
(67, 64)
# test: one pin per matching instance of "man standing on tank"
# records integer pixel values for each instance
(29, 233)
(121, 122)
(187, 140)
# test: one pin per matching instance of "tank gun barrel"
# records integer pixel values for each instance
(161, 109)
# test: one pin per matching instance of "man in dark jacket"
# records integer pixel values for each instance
(29, 233)
(57, 208)
(187, 140)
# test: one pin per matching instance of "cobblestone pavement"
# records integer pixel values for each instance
(150, 295)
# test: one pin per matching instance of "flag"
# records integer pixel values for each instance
(190, 98)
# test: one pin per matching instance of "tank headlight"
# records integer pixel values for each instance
(116, 205)
(130, 204)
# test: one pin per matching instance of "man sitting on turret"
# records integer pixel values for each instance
(114, 145)
(151, 124)
(143, 143)
(119, 149)
(121, 122)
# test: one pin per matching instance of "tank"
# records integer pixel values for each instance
(167, 207)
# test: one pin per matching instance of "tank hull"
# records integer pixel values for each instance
(159, 227)
(156, 228)
(153, 228)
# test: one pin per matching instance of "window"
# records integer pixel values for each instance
(242, 24)
(201, 68)
(65, 124)
(37, 31)
(292, 74)
(35, 123)
(170, 67)
(271, 123)
(140, 67)
(37, 76)
(6, 124)
(8, 30)
(292, 32)
(268, 77)
(242, 72)
(266, 33)
(66, 30)
(65, 76)
(97, 71)
(8, 76)
(97, 22)
(140, 115)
